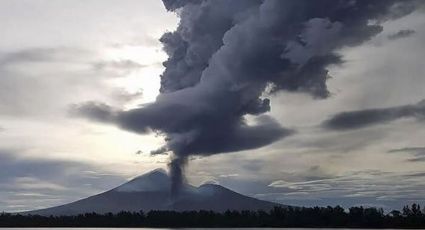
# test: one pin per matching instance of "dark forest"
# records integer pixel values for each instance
(354, 217)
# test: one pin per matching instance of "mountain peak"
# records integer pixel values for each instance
(212, 189)
(157, 172)
(155, 180)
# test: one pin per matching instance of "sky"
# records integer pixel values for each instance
(359, 142)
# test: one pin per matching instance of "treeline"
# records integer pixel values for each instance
(355, 217)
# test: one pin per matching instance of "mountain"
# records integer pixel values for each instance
(151, 192)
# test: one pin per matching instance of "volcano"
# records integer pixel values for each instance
(151, 191)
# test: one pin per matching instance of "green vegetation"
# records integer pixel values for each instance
(355, 217)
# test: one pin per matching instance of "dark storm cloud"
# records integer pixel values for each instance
(418, 153)
(401, 34)
(369, 117)
(225, 54)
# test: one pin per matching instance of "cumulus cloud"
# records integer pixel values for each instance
(224, 57)
(369, 117)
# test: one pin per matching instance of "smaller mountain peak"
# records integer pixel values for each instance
(211, 189)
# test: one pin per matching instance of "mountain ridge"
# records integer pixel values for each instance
(151, 191)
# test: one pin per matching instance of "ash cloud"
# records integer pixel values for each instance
(369, 117)
(226, 55)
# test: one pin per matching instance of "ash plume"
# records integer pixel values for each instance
(176, 167)
(227, 54)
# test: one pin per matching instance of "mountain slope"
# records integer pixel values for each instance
(219, 199)
(151, 192)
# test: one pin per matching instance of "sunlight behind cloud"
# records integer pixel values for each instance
(146, 78)
(144, 55)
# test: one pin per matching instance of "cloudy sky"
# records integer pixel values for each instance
(75, 76)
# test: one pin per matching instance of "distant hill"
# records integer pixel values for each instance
(151, 191)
